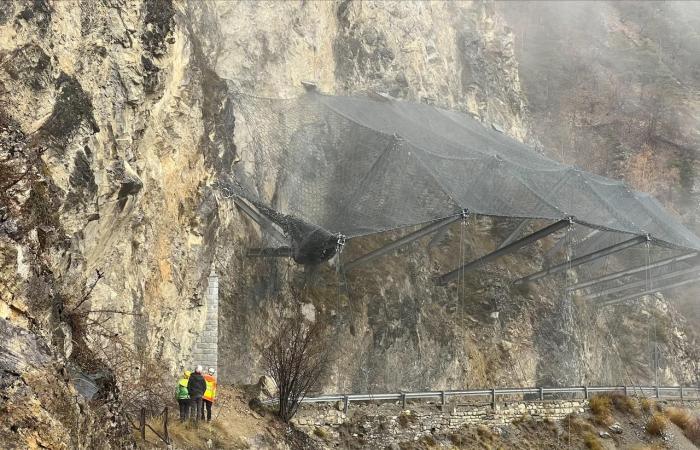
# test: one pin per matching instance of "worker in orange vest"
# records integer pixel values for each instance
(210, 393)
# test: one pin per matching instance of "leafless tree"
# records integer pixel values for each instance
(297, 356)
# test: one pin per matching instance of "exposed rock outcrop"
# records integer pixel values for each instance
(119, 117)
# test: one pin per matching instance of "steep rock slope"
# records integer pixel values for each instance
(117, 121)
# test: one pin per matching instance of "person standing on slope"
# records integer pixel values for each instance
(196, 386)
(210, 393)
(183, 396)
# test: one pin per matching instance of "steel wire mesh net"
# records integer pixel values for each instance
(325, 166)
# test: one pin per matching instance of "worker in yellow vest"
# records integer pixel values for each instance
(210, 393)
(183, 397)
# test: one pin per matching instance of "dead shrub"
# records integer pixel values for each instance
(592, 442)
(686, 421)
(320, 432)
(648, 405)
(601, 407)
(406, 418)
(296, 355)
(428, 441)
(484, 432)
(577, 425)
(657, 424)
(693, 431)
(680, 417)
(625, 404)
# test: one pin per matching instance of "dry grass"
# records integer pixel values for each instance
(657, 424)
(195, 435)
(592, 442)
(681, 417)
(577, 425)
(625, 404)
(648, 405)
(686, 421)
(693, 431)
(321, 433)
(601, 407)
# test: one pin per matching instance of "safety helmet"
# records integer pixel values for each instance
(198, 369)
(187, 373)
(211, 371)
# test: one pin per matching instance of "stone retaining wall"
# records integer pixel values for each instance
(385, 424)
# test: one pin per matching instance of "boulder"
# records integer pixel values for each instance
(267, 387)
(615, 428)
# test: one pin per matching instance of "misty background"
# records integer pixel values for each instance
(614, 88)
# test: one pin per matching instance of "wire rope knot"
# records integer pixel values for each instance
(464, 214)
(340, 243)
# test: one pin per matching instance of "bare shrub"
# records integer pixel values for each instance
(297, 356)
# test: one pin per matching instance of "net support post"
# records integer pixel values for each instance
(583, 259)
(381, 251)
(536, 236)
(602, 303)
(262, 221)
(403, 401)
(632, 271)
(585, 392)
(541, 394)
(493, 398)
(346, 404)
(643, 283)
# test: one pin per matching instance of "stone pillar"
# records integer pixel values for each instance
(206, 349)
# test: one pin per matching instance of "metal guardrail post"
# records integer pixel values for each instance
(541, 393)
(585, 392)
(443, 397)
(493, 398)
(142, 423)
(681, 392)
(624, 388)
(657, 391)
(165, 425)
(346, 404)
(403, 400)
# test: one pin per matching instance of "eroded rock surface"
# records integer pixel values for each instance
(120, 116)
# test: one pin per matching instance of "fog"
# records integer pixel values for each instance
(614, 87)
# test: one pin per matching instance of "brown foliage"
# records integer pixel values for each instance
(601, 407)
(648, 405)
(625, 404)
(657, 424)
(686, 421)
(296, 356)
(680, 417)
(592, 442)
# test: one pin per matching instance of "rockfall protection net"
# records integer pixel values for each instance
(322, 166)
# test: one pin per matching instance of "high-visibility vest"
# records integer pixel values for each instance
(182, 393)
(210, 393)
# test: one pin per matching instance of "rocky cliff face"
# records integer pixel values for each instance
(117, 120)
